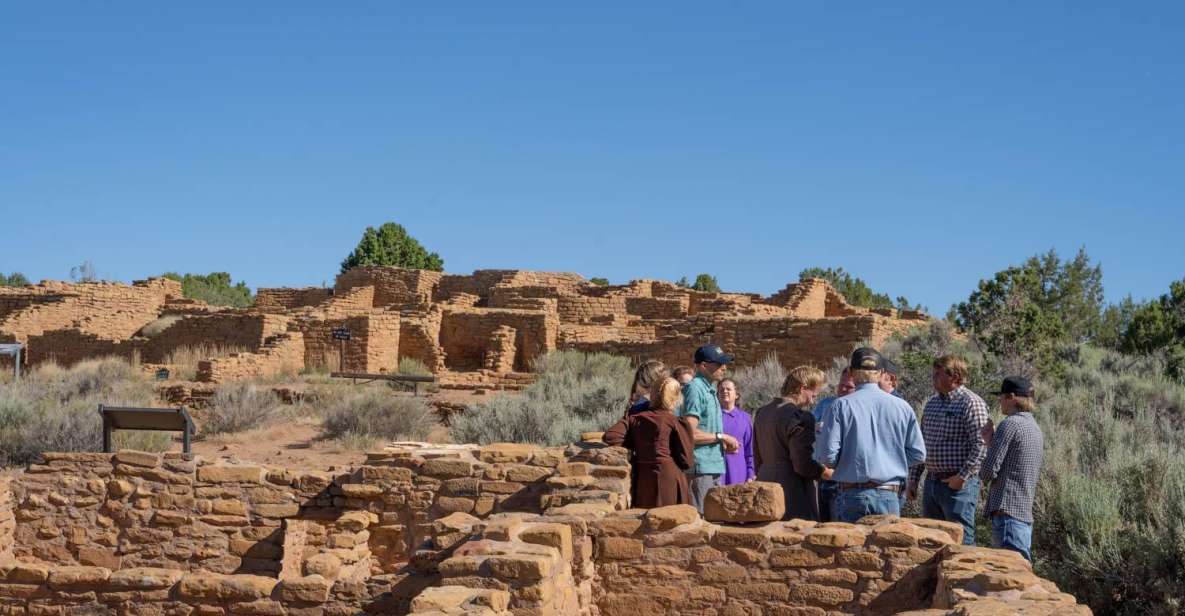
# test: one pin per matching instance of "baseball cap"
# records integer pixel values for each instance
(1017, 385)
(888, 366)
(866, 358)
(712, 353)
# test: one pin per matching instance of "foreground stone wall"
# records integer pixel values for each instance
(433, 530)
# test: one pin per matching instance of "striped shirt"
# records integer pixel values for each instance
(950, 425)
(1013, 465)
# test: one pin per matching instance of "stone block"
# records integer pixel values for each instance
(308, 589)
(755, 501)
(231, 474)
(77, 578)
(666, 518)
(137, 458)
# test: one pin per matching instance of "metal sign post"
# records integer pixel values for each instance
(135, 418)
(341, 334)
(13, 350)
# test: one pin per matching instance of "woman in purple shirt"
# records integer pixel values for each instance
(738, 465)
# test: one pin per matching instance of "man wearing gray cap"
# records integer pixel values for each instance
(871, 439)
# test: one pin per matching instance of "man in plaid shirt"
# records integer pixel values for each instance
(951, 425)
(1015, 452)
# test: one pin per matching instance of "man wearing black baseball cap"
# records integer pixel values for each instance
(871, 439)
(1012, 466)
(701, 408)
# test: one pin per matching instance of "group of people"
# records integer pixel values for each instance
(860, 452)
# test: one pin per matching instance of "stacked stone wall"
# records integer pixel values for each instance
(466, 334)
(433, 530)
(284, 354)
(106, 309)
(242, 330)
(658, 307)
(282, 299)
(393, 286)
(7, 517)
(373, 346)
(584, 309)
(419, 335)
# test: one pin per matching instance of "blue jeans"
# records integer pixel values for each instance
(1010, 533)
(942, 503)
(827, 492)
(699, 485)
(851, 505)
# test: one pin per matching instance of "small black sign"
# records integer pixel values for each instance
(341, 333)
(162, 374)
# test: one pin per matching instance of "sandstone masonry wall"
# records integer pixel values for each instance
(282, 300)
(433, 530)
(465, 335)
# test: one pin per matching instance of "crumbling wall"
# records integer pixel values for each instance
(241, 330)
(466, 333)
(283, 354)
(283, 299)
(373, 346)
(7, 518)
(393, 286)
(321, 543)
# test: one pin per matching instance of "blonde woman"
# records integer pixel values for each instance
(661, 447)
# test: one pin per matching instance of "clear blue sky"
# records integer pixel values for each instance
(920, 147)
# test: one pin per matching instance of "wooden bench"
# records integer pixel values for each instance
(414, 379)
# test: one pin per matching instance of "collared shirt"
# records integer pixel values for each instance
(870, 436)
(821, 409)
(699, 401)
(738, 465)
(951, 424)
(1013, 465)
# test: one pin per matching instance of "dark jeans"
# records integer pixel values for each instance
(1010, 533)
(851, 505)
(827, 492)
(699, 485)
(939, 502)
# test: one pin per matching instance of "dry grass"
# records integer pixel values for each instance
(184, 360)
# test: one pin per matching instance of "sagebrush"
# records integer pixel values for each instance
(575, 392)
(56, 409)
(239, 406)
(378, 414)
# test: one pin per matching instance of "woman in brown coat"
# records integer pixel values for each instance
(784, 435)
(661, 448)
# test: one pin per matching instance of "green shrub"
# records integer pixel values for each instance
(575, 392)
(1110, 511)
(214, 288)
(759, 384)
(377, 413)
(56, 409)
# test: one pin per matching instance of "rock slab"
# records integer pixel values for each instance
(756, 501)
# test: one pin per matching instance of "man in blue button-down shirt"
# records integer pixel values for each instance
(871, 439)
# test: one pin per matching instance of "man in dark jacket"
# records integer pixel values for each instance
(784, 435)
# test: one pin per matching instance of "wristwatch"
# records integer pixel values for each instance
(719, 437)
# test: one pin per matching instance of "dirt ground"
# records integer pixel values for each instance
(297, 444)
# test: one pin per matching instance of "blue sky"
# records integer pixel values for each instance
(920, 147)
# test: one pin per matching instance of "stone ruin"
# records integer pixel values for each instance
(480, 331)
(499, 530)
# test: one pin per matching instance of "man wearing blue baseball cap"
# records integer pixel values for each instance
(701, 408)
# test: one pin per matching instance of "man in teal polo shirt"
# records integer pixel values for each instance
(701, 408)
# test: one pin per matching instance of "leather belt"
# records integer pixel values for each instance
(891, 487)
(940, 476)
